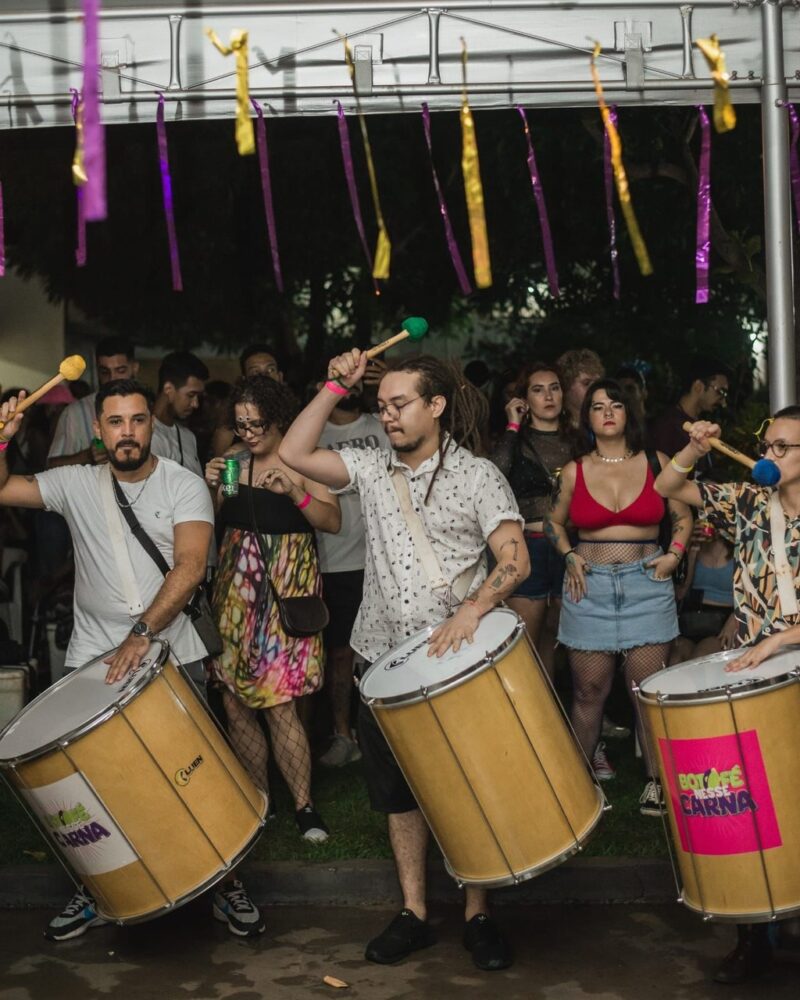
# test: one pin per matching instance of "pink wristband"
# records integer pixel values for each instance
(678, 545)
(511, 426)
(304, 502)
(4, 445)
(336, 389)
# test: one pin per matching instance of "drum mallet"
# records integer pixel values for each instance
(413, 328)
(70, 368)
(764, 472)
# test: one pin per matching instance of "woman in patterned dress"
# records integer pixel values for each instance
(261, 667)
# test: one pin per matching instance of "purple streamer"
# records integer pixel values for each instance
(608, 175)
(541, 207)
(266, 190)
(794, 161)
(94, 143)
(349, 173)
(80, 226)
(703, 251)
(2, 236)
(455, 256)
(166, 188)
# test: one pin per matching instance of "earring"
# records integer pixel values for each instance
(592, 438)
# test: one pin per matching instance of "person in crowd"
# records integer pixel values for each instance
(174, 508)
(537, 443)
(342, 558)
(255, 359)
(763, 524)
(212, 414)
(80, 388)
(704, 388)
(268, 535)
(634, 385)
(181, 382)
(618, 590)
(73, 441)
(705, 596)
(433, 418)
(579, 368)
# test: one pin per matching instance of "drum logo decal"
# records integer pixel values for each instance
(183, 774)
(720, 794)
(398, 661)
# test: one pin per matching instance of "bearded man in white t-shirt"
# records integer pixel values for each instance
(174, 507)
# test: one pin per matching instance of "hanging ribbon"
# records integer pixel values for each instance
(608, 180)
(80, 225)
(383, 251)
(620, 177)
(703, 251)
(93, 161)
(266, 191)
(794, 162)
(452, 246)
(166, 190)
(724, 111)
(2, 236)
(350, 177)
(541, 208)
(245, 142)
(471, 169)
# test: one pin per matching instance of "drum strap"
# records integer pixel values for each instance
(120, 550)
(454, 594)
(787, 593)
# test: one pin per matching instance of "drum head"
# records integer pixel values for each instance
(72, 704)
(398, 675)
(707, 677)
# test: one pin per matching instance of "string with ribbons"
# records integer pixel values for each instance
(350, 178)
(166, 191)
(608, 184)
(266, 192)
(245, 141)
(89, 166)
(473, 188)
(703, 246)
(541, 208)
(77, 165)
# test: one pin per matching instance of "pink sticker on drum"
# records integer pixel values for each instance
(720, 794)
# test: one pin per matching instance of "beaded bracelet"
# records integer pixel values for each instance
(511, 426)
(336, 388)
(302, 504)
(681, 468)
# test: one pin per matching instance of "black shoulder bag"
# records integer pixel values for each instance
(300, 616)
(198, 609)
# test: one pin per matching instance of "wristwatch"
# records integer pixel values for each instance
(140, 628)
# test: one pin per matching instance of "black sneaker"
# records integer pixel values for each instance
(234, 907)
(484, 939)
(406, 933)
(311, 825)
(75, 919)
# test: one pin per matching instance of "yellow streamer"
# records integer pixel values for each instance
(620, 177)
(79, 175)
(724, 111)
(471, 169)
(245, 138)
(381, 263)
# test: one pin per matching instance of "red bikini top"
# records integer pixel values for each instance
(589, 515)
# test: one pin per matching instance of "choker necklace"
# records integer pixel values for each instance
(613, 461)
(132, 502)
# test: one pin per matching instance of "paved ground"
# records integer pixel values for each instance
(564, 952)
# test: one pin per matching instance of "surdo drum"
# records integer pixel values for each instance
(133, 785)
(484, 746)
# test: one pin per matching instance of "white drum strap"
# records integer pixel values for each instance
(424, 549)
(787, 592)
(118, 546)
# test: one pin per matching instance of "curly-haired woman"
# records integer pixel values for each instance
(261, 666)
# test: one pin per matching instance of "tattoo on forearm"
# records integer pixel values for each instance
(513, 542)
(502, 576)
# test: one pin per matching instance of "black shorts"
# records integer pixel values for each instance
(342, 593)
(387, 788)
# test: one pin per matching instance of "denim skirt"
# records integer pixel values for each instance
(624, 607)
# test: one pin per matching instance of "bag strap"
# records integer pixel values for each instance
(787, 594)
(121, 554)
(653, 462)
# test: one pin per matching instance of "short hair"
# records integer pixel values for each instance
(631, 371)
(582, 359)
(702, 368)
(179, 367)
(275, 401)
(788, 413)
(123, 387)
(253, 349)
(634, 430)
(109, 346)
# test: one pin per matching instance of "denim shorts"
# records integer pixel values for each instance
(546, 578)
(625, 607)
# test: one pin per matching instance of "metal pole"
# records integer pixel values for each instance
(777, 211)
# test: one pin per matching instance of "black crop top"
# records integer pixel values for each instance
(275, 513)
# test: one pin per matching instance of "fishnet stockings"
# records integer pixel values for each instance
(289, 744)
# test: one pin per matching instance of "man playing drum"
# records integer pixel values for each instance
(174, 507)
(763, 524)
(432, 418)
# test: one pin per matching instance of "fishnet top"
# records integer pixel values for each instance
(530, 460)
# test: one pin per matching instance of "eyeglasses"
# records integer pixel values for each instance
(779, 447)
(393, 410)
(253, 427)
(720, 390)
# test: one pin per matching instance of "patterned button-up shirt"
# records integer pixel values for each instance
(470, 498)
(740, 512)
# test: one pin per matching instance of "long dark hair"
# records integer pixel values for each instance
(521, 390)
(634, 429)
(464, 420)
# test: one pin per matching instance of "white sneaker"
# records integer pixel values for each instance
(651, 801)
(75, 919)
(602, 768)
(234, 907)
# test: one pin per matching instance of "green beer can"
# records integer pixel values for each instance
(230, 478)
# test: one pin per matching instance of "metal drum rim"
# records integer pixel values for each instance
(758, 917)
(732, 693)
(95, 721)
(424, 694)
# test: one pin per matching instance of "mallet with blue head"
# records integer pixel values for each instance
(764, 472)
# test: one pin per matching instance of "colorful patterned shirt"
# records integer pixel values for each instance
(740, 512)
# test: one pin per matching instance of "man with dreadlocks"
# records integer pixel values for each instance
(433, 418)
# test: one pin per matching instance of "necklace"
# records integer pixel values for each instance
(132, 502)
(613, 461)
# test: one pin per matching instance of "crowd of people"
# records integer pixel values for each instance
(571, 492)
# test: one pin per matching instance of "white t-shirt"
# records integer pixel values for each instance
(172, 496)
(346, 551)
(178, 443)
(74, 431)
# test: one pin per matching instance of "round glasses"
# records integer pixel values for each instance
(779, 447)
